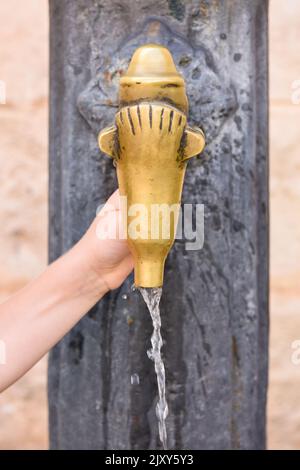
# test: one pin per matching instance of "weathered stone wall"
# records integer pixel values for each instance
(215, 300)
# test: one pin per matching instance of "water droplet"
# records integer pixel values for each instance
(135, 379)
(150, 354)
(130, 321)
(98, 405)
(99, 208)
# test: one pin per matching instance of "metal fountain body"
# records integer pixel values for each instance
(151, 143)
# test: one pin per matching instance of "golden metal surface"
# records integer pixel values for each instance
(151, 143)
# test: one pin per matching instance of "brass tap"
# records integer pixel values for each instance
(150, 143)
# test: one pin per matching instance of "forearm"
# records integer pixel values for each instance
(38, 316)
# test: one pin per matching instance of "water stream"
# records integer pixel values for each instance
(152, 299)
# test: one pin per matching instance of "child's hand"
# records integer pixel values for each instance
(108, 257)
(40, 314)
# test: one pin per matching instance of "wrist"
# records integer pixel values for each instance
(80, 280)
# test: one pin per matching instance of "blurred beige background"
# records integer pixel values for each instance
(23, 209)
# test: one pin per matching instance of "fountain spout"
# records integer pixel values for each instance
(150, 143)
